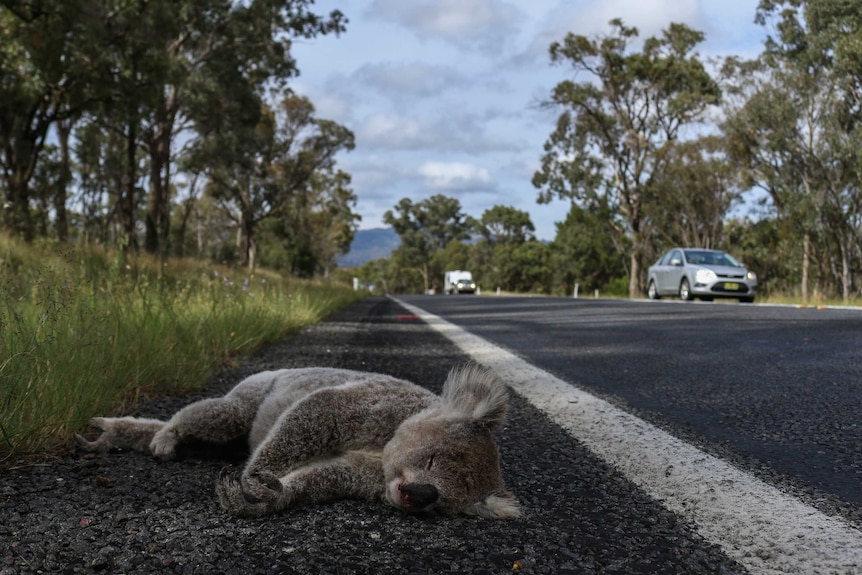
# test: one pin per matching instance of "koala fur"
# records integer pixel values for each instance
(318, 434)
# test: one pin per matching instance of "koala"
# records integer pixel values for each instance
(318, 434)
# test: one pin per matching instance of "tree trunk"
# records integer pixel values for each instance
(247, 241)
(18, 215)
(846, 276)
(158, 224)
(61, 225)
(127, 202)
(248, 244)
(806, 264)
(154, 198)
(634, 280)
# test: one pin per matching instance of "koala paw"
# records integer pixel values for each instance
(261, 486)
(120, 433)
(254, 495)
(164, 443)
(102, 442)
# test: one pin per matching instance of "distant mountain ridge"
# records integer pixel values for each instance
(370, 245)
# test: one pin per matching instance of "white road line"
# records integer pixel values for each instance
(764, 529)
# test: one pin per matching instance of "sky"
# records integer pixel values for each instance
(444, 96)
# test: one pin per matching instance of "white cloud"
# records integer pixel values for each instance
(440, 102)
(456, 176)
(409, 80)
(650, 17)
(392, 132)
(482, 24)
(330, 102)
(447, 130)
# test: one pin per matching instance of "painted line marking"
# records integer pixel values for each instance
(767, 531)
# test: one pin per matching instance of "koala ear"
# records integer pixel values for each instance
(476, 393)
(499, 505)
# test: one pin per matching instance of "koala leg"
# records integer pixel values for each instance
(215, 420)
(121, 433)
(354, 474)
(318, 426)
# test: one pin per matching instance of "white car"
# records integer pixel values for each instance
(701, 273)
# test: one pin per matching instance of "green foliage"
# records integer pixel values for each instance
(505, 224)
(86, 333)
(796, 126)
(615, 126)
(583, 251)
(425, 228)
(285, 170)
(763, 247)
(138, 77)
(698, 186)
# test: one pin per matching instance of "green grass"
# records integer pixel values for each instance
(86, 333)
(814, 301)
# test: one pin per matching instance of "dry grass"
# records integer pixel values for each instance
(83, 332)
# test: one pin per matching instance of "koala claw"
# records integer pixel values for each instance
(251, 496)
(261, 486)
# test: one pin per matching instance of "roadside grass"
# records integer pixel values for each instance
(816, 300)
(85, 332)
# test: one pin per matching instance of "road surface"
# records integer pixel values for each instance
(585, 511)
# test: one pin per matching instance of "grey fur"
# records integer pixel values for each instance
(318, 434)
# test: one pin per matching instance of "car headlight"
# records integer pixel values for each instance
(752, 276)
(704, 276)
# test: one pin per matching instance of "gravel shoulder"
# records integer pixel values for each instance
(129, 513)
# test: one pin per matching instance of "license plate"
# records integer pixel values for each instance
(731, 286)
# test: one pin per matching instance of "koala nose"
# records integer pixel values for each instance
(418, 496)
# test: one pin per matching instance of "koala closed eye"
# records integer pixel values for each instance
(429, 465)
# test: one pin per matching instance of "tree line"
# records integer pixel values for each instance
(169, 126)
(654, 147)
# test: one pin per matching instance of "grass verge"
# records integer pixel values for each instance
(86, 333)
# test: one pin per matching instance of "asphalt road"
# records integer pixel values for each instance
(773, 390)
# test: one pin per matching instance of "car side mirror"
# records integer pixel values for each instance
(676, 262)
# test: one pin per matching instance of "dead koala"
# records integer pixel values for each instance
(318, 434)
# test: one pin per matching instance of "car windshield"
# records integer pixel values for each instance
(706, 258)
(463, 281)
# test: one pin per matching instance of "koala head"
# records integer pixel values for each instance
(444, 458)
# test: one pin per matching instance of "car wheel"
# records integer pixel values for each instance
(685, 290)
(652, 291)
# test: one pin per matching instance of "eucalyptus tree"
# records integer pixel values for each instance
(199, 53)
(47, 63)
(698, 187)
(425, 228)
(505, 224)
(284, 167)
(772, 127)
(99, 161)
(585, 249)
(830, 32)
(795, 125)
(314, 225)
(616, 124)
(501, 230)
(210, 50)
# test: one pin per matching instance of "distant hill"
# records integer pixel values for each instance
(370, 245)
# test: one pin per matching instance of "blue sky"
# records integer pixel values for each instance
(443, 95)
